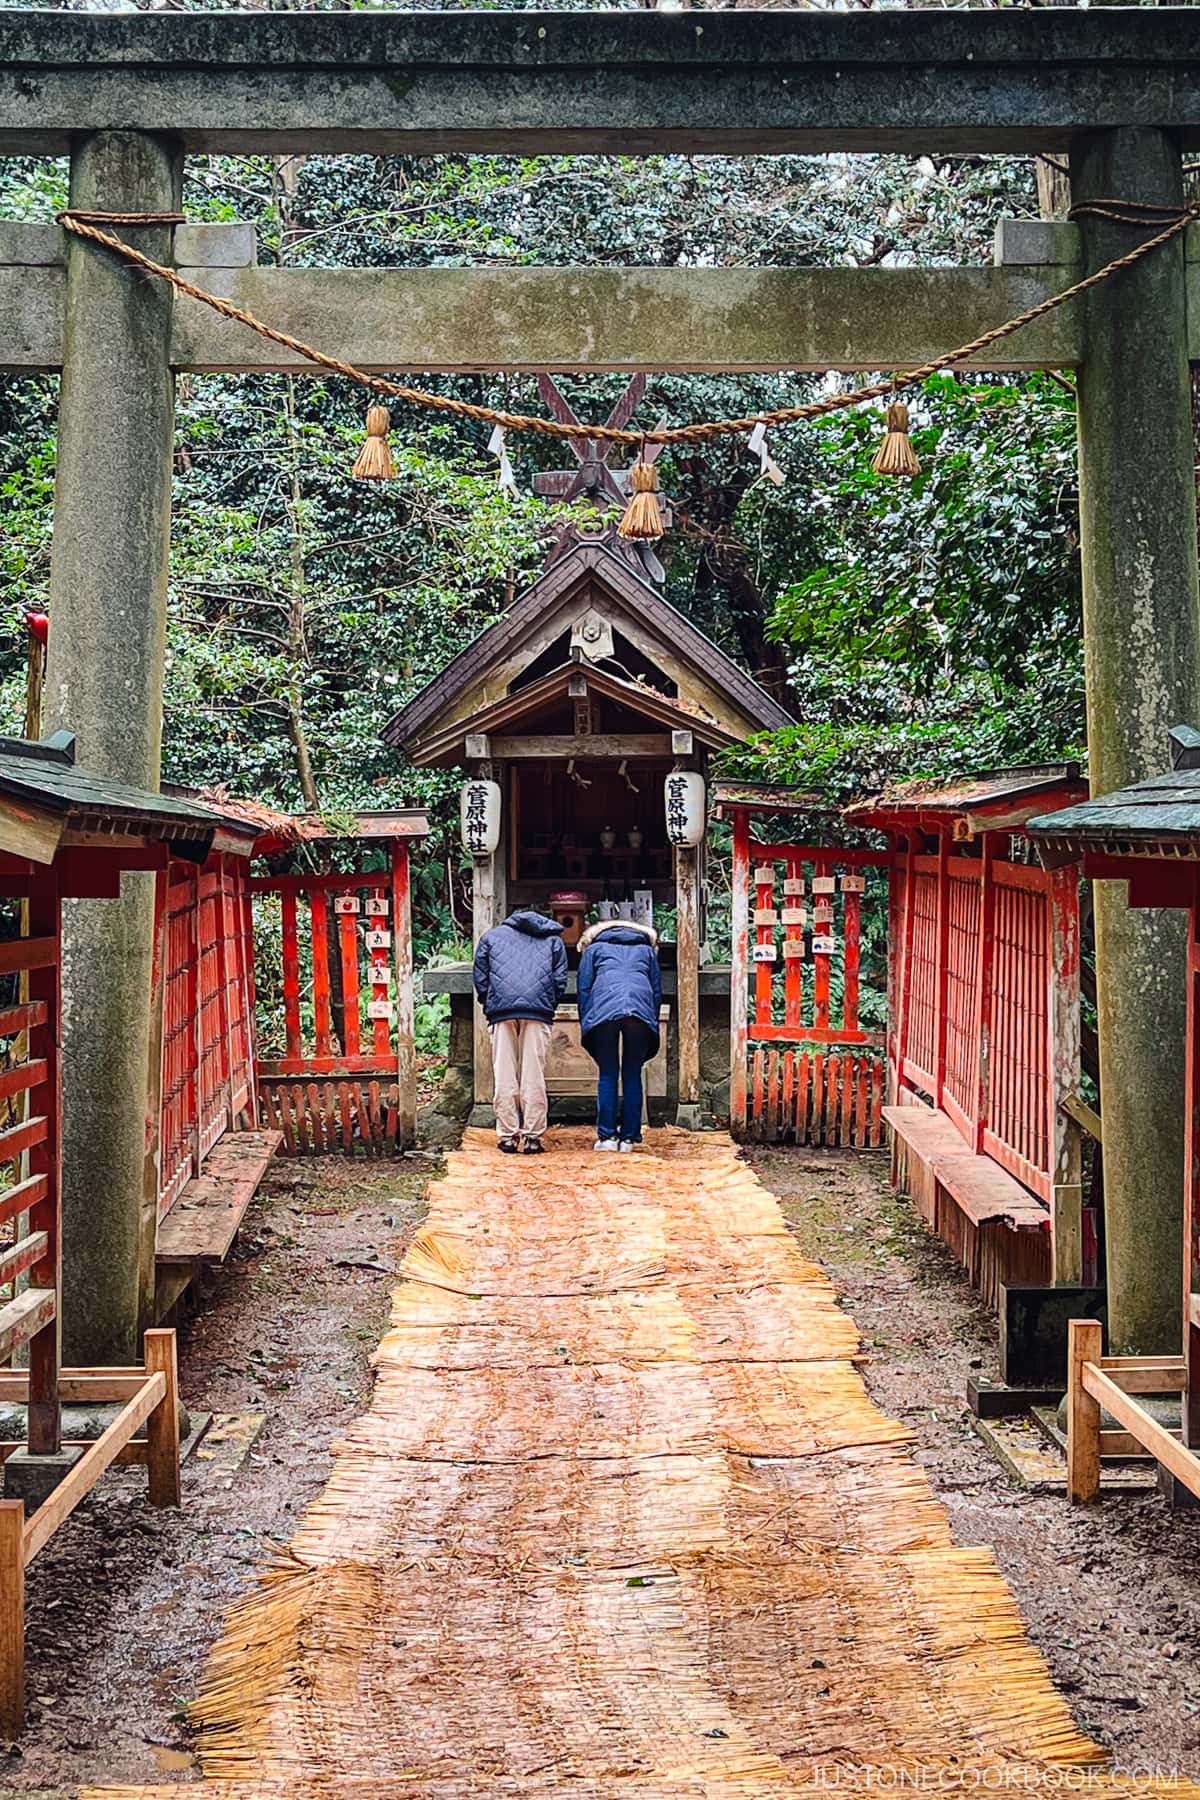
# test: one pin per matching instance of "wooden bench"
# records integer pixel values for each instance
(204, 1221)
(997, 1228)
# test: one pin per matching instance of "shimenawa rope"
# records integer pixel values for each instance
(644, 504)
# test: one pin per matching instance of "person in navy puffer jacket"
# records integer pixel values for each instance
(520, 976)
(620, 991)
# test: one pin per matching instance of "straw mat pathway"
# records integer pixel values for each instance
(623, 1524)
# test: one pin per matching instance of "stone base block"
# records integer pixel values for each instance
(34, 1478)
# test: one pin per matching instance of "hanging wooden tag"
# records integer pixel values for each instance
(824, 946)
(765, 915)
(764, 875)
(346, 903)
(378, 938)
(794, 884)
(854, 884)
(795, 915)
(822, 913)
(381, 977)
(824, 884)
(793, 950)
(764, 953)
(379, 1009)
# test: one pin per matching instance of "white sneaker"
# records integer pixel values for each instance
(625, 1144)
(607, 1144)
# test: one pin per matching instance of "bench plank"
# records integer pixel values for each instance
(204, 1220)
(984, 1191)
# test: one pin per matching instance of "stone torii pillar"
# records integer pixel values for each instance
(108, 593)
(1141, 613)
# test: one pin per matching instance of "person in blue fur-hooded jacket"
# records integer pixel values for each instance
(620, 991)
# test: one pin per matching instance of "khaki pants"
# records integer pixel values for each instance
(519, 1049)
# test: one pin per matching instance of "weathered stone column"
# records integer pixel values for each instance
(108, 589)
(1142, 646)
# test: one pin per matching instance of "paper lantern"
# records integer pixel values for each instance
(480, 817)
(687, 808)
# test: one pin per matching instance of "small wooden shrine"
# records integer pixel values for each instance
(580, 703)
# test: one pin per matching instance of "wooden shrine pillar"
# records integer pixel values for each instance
(108, 591)
(403, 1023)
(489, 884)
(687, 977)
(1141, 615)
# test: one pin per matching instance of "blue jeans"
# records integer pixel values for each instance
(620, 1048)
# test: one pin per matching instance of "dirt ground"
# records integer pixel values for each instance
(1111, 1595)
(124, 1603)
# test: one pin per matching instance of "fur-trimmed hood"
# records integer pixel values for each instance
(640, 934)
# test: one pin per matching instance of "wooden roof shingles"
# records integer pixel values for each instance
(588, 561)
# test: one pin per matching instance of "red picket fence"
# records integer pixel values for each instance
(347, 1076)
(814, 1097)
(205, 944)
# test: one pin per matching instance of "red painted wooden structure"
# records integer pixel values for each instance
(983, 1034)
(1149, 836)
(63, 834)
(796, 923)
(205, 981)
(346, 1074)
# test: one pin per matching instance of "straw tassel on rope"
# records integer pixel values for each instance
(896, 456)
(374, 462)
(643, 516)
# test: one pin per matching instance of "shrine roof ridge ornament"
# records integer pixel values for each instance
(627, 82)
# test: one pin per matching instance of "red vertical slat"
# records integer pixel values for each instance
(877, 1104)
(322, 1013)
(45, 1100)
(764, 937)
(987, 950)
(291, 975)
(818, 1098)
(852, 939)
(803, 1074)
(348, 931)
(757, 1091)
(739, 973)
(820, 963)
(772, 1093)
(793, 967)
(380, 971)
(788, 1119)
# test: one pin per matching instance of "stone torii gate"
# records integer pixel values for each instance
(127, 97)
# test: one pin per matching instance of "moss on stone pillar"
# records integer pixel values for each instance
(1142, 651)
(108, 592)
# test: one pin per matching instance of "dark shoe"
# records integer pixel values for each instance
(533, 1147)
(508, 1146)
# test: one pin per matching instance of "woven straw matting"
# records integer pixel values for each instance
(623, 1524)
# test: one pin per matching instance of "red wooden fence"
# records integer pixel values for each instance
(990, 968)
(206, 979)
(347, 1075)
(823, 1097)
(31, 1205)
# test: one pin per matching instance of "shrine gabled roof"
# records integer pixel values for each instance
(39, 781)
(448, 745)
(588, 561)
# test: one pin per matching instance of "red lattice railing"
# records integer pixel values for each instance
(208, 1014)
(990, 974)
